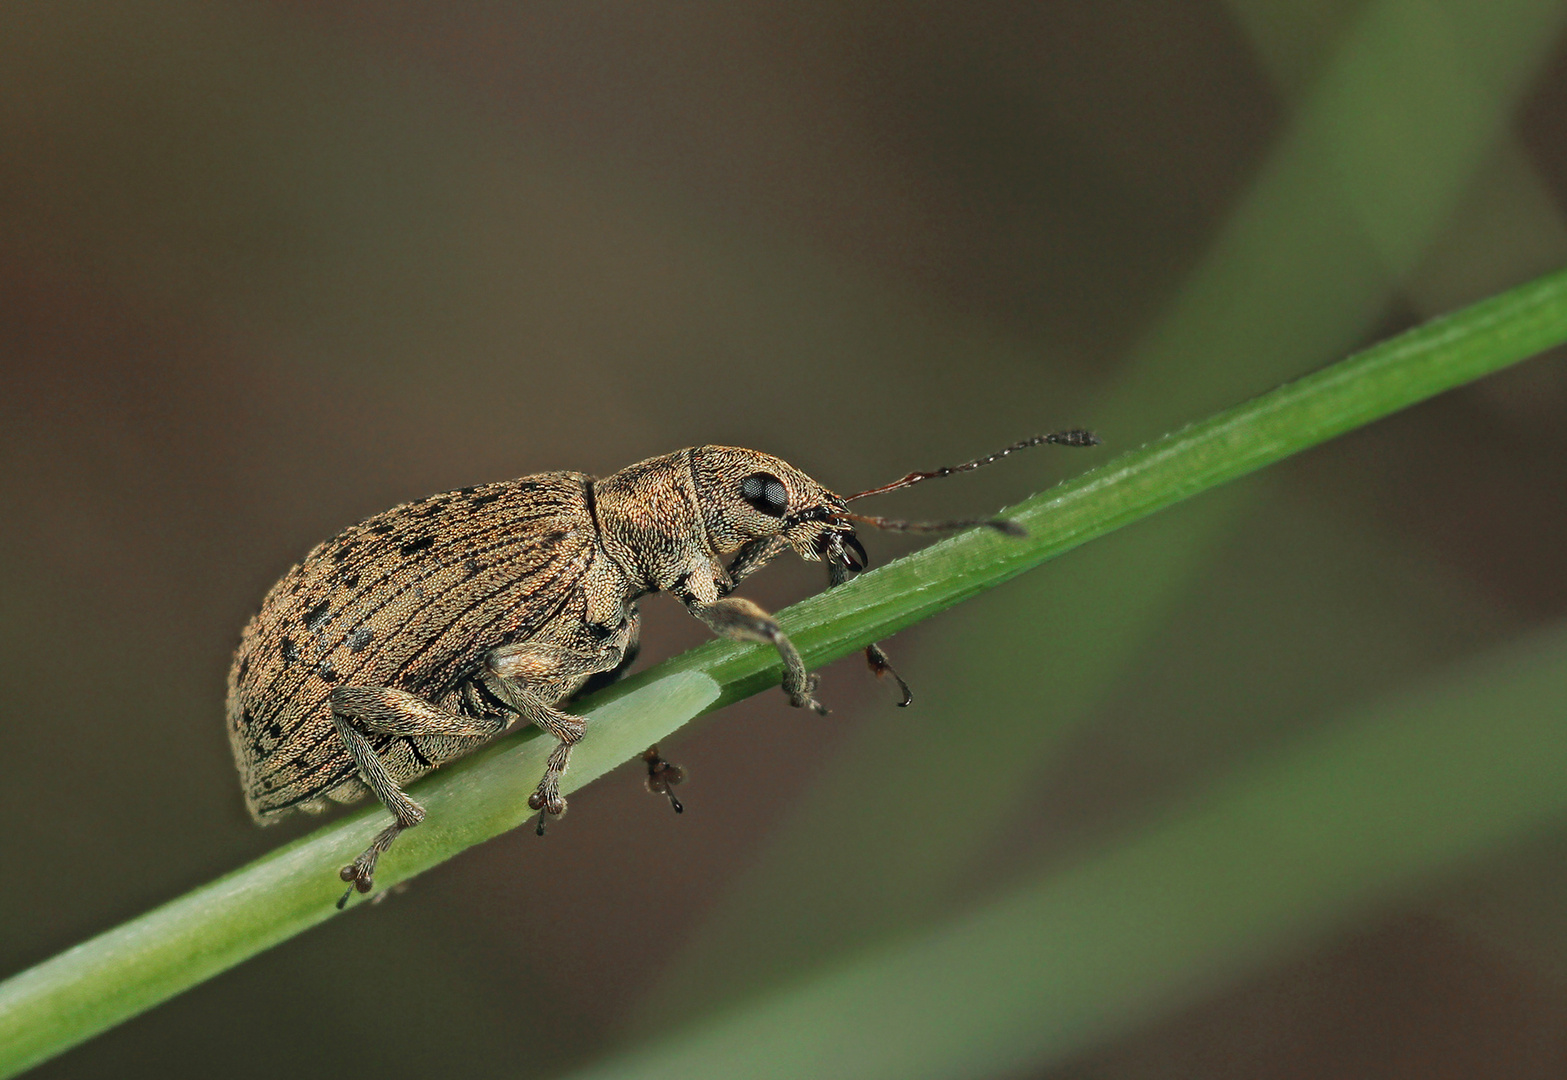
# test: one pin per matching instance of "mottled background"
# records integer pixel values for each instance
(267, 268)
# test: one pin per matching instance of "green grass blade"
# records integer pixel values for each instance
(130, 969)
(1403, 102)
(1438, 356)
(59, 1003)
(1282, 850)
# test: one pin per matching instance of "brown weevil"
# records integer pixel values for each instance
(417, 635)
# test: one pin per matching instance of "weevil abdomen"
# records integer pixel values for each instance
(414, 599)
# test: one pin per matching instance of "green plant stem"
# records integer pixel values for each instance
(1249, 868)
(1388, 107)
(125, 971)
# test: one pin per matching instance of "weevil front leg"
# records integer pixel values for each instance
(838, 573)
(739, 619)
(359, 711)
(752, 557)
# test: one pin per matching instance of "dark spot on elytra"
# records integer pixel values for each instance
(274, 730)
(351, 581)
(466, 491)
(360, 638)
(246, 719)
(244, 666)
(290, 651)
(474, 566)
(343, 551)
(383, 528)
(318, 616)
(413, 547)
(326, 671)
(484, 500)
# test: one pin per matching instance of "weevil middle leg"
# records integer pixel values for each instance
(530, 677)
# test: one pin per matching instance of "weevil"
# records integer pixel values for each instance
(419, 634)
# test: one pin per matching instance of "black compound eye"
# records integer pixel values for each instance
(765, 492)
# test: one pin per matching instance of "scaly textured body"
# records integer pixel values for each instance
(415, 598)
(415, 636)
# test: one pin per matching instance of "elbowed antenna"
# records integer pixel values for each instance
(1073, 437)
(842, 564)
(1010, 528)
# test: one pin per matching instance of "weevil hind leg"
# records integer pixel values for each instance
(360, 711)
(360, 874)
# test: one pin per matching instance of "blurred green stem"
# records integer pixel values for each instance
(1356, 204)
(125, 971)
(1243, 871)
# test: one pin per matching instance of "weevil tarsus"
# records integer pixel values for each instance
(662, 776)
(876, 660)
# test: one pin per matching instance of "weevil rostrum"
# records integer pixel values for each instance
(415, 636)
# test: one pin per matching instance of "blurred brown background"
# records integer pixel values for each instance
(268, 268)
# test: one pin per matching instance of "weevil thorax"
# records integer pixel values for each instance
(658, 515)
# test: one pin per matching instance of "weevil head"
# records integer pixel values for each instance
(748, 495)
